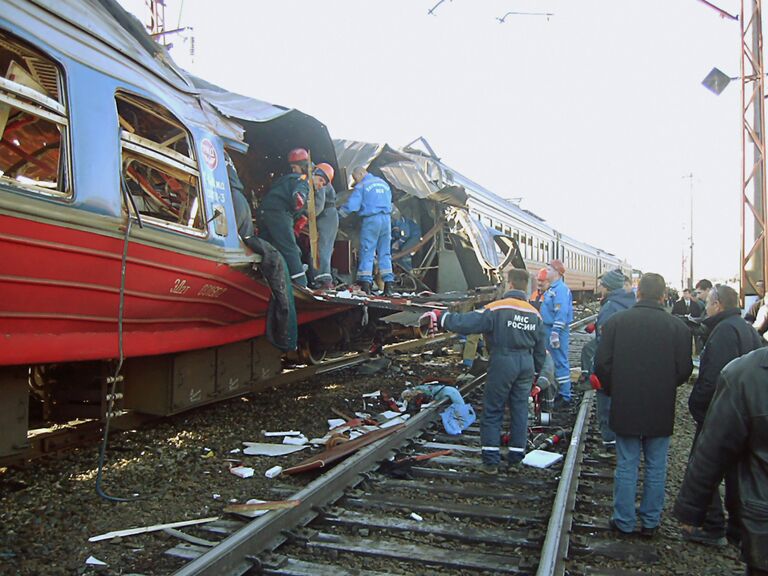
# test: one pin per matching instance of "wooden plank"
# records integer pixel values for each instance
(419, 553)
(507, 493)
(454, 447)
(450, 508)
(294, 567)
(457, 531)
(145, 529)
(274, 505)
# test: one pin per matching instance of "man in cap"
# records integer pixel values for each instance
(614, 299)
(371, 199)
(557, 314)
(327, 223)
(542, 284)
(282, 205)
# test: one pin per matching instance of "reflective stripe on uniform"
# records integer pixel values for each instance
(511, 449)
(491, 448)
(299, 275)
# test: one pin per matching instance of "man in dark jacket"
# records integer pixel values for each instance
(687, 306)
(729, 337)
(516, 338)
(615, 299)
(643, 356)
(734, 436)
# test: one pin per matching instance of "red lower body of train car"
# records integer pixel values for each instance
(60, 288)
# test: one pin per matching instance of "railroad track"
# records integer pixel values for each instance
(365, 518)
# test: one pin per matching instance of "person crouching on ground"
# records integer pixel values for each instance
(516, 338)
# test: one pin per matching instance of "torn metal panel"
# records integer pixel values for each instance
(404, 318)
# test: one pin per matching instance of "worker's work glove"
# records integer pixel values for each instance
(298, 201)
(590, 328)
(595, 381)
(554, 340)
(431, 320)
(299, 225)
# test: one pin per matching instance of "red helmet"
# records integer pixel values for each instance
(297, 155)
(326, 171)
(542, 275)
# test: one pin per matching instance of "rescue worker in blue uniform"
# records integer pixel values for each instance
(372, 200)
(281, 207)
(327, 223)
(557, 314)
(405, 235)
(517, 341)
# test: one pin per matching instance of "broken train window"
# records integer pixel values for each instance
(158, 164)
(33, 120)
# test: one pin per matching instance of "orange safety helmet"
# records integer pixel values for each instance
(542, 275)
(326, 170)
(297, 155)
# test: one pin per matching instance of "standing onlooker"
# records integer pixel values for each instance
(700, 332)
(516, 339)
(643, 356)
(557, 314)
(687, 306)
(730, 337)
(751, 314)
(703, 287)
(734, 437)
(327, 223)
(614, 299)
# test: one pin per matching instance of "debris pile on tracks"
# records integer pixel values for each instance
(180, 468)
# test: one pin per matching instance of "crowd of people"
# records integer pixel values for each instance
(641, 353)
(283, 216)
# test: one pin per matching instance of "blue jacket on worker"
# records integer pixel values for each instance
(557, 314)
(371, 199)
(516, 337)
(405, 235)
(616, 301)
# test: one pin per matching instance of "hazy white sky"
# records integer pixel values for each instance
(593, 117)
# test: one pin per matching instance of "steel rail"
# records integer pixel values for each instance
(555, 548)
(579, 324)
(239, 552)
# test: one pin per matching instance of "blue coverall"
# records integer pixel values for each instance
(405, 235)
(240, 203)
(276, 217)
(372, 200)
(516, 338)
(557, 314)
(327, 228)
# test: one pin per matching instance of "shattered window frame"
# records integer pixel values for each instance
(154, 155)
(38, 75)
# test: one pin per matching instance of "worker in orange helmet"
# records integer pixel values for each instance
(327, 223)
(542, 284)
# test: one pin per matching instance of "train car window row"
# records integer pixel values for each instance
(33, 120)
(158, 165)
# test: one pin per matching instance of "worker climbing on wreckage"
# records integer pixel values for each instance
(327, 223)
(557, 313)
(371, 198)
(282, 209)
(406, 234)
(516, 337)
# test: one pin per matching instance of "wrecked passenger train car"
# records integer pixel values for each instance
(480, 234)
(117, 227)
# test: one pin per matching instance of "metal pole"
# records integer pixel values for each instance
(758, 152)
(690, 237)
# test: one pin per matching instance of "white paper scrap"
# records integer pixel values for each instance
(295, 440)
(372, 394)
(242, 471)
(395, 421)
(389, 414)
(284, 433)
(273, 472)
(541, 458)
(335, 423)
(93, 561)
(266, 449)
(416, 517)
(253, 513)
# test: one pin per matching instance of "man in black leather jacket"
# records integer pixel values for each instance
(729, 337)
(734, 436)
